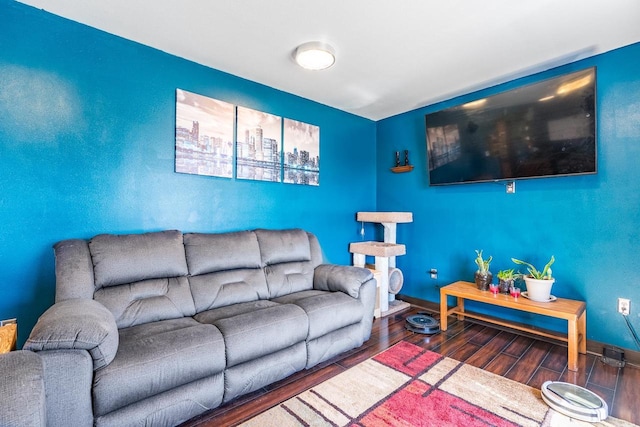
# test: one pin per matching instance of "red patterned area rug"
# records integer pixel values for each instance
(409, 386)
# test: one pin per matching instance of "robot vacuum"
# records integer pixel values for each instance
(574, 401)
(422, 323)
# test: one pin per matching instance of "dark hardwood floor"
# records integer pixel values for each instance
(521, 358)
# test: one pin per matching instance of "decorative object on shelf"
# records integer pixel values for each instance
(506, 279)
(402, 168)
(483, 276)
(515, 292)
(538, 282)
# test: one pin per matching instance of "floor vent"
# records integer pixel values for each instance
(613, 356)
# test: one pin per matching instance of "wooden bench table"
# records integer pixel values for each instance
(574, 312)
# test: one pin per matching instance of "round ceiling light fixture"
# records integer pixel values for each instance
(315, 56)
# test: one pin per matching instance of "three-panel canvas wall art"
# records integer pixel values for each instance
(216, 138)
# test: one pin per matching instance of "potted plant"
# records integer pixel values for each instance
(538, 282)
(483, 276)
(506, 279)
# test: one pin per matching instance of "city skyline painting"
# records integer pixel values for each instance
(258, 141)
(204, 135)
(301, 150)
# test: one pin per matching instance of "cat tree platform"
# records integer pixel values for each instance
(382, 217)
(377, 249)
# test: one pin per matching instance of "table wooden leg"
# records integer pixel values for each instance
(582, 332)
(572, 343)
(443, 310)
(460, 307)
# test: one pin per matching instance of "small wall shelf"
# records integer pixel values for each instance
(402, 169)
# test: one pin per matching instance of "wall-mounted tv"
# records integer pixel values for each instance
(539, 130)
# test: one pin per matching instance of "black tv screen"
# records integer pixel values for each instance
(538, 130)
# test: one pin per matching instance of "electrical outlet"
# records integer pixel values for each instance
(434, 273)
(511, 187)
(624, 306)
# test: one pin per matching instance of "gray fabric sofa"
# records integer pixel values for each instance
(156, 328)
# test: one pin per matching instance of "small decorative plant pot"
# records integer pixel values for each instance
(483, 280)
(539, 290)
(505, 285)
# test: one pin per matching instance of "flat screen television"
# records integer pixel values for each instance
(542, 129)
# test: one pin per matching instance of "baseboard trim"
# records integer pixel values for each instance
(632, 357)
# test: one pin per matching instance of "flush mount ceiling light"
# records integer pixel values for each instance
(314, 56)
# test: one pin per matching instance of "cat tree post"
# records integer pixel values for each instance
(385, 257)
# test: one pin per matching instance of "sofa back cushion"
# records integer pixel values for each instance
(141, 277)
(147, 301)
(224, 269)
(74, 270)
(120, 259)
(289, 258)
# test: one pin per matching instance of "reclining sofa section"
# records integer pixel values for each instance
(156, 328)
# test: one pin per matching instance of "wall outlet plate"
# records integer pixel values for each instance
(511, 187)
(624, 306)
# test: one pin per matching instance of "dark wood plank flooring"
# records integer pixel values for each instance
(520, 358)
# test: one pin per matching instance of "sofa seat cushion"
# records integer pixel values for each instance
(292, 298)
(327, 311)
(254, 374)
(257, 333)
(155, 357)
(210, 316)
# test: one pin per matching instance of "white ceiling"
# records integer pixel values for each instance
(392, 56)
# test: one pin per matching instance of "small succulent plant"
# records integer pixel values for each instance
(545, 274)
(508, 274)
(483, 264)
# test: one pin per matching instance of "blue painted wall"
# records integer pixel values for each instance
(87, 147)
(87, 124)
(590, 223)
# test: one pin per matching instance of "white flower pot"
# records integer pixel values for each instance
(539, 290)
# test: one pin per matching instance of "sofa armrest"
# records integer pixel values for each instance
(22, 389)
(77, 324)
(344, 278)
